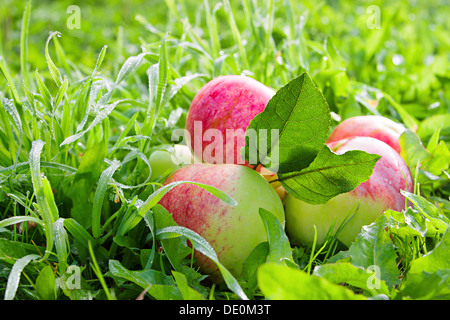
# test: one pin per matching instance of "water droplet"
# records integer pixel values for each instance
(397, 59)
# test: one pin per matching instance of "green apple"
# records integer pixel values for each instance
(233, 232)
(161, 163)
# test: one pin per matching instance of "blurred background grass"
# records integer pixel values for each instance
(407, 57)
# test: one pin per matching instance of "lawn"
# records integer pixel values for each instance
(90, 91)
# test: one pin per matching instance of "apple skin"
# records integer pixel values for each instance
(233, 232)
(161, 163)
(374, 126)
(271, 177)
(226, 102)
(379, 193)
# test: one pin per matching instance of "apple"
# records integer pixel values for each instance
(233, 232)
(220, 114)
(374, 126)
(161, 163)
(368, 201)
(271, 177)
(164, 162)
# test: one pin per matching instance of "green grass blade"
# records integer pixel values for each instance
(12, 87)
(61, 93)
(211, 23)
(12, 148)
(24, 43)
(102, 185)
(155, 197)
(162, 76)
(46, 209)
(45, 93)
(236, 34)
(19, 219)
(101, 115)
(205, 248)
(78, 232)
(61, 244)
(280, 249)
(99, 274)
(100, 58)
(11, 109)
(44, 164)
(14, 275)
(56, 75)
(62, 59)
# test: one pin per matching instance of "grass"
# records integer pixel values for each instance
(82, 110)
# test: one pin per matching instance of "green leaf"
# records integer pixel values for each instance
(440, 159)
(301, 115)
(374, 249)
(329, 174)
(14, 250)
(157, 284)
(187, 292)
(428, 210)
(87, 175)
(427, 286)
(415, 221)
(257, 257)
(279, 247)
(46, 284)
(176, 249)
(429, 275)
(429, 125)
(282, 283)
(412, 150)
(344, 272)
(202, 246)
(78, 232)
(435, 260)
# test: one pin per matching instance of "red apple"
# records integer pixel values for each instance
(369, 200)
(220, 113)
(233, 232)
(374, 126)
